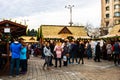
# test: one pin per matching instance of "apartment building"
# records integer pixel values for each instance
(110, 13)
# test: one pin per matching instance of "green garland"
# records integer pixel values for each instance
(6, 37)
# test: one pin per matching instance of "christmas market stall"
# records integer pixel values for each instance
(114, 34)
(8, 30)
(61, 32)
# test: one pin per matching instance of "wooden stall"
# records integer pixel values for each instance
(8, 30)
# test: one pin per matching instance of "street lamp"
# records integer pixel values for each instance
(70, 7)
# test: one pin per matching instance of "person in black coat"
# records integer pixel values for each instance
(81, 52)
(52, 45)
(104, 51)
(74, 52)
(97, 52)
(65, 55)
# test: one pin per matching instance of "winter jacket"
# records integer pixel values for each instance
(116, 48)
(58, 50)
(47, 52)
(109, 48)
(15, 49)
(23, 53)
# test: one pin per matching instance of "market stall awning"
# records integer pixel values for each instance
(110, 36)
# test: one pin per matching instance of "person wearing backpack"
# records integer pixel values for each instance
(116, 50)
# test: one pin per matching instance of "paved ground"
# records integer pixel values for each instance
(91, 70)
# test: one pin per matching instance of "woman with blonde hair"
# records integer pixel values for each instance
(58, 52)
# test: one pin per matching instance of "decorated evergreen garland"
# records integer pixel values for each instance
(6, 37)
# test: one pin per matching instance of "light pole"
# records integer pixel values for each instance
(70, 7)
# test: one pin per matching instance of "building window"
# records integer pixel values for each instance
(107, 15)
(107, 8)
(117, 14)
(117, 21)
(107, 23)
(107, 1)
(119, 30)
(117, 6)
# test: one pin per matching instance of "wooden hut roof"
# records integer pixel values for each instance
(57, 31)
(115, 30)
(16, 29)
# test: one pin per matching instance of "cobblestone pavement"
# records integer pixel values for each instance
(91, 70)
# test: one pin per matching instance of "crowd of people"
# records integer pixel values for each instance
(65, 52)
(73, 52)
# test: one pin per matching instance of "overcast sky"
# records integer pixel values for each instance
(51, 12)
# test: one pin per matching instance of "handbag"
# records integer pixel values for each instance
(64, 58)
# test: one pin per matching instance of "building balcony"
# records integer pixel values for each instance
(117, 10)
(116, 17)
(116, 20)
(117, 2)
(107, 12)
(107, 4)
(106, 19)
